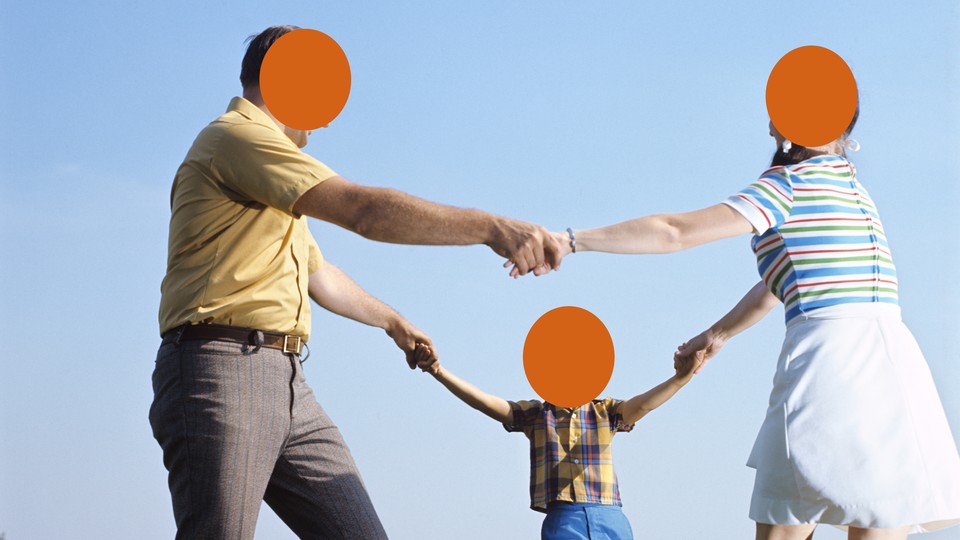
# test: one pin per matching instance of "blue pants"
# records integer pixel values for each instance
(581, 521)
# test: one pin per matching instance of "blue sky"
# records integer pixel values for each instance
(562, 113)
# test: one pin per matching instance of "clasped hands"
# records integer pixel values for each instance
(532, 248)
(529, 248)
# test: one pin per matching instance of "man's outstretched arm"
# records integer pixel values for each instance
(388, 215)
(333, 290)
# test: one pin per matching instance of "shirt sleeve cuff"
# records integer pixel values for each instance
(512, 426)
(310, 181)
(750, 212)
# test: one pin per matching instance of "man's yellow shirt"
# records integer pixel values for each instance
(237, 255)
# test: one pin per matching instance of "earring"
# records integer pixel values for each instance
(852, 145)
(787, 145)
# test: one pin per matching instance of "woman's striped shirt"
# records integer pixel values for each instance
(819, 238)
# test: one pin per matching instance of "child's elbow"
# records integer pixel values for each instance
(635, 416)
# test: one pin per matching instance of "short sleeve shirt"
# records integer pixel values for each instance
(819, 240)
(570, 455)
(237, 255)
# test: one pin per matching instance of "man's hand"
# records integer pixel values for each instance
(333, 290)
(698, 351)
(407, 337)
(562, 240)
(388, 215)
(527, 247)
(427, 359)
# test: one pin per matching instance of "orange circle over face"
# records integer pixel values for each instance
(305, 79)
(568, 356)
(811, 96)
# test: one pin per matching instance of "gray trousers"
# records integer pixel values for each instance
(238, 425)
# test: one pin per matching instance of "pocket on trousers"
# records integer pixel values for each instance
(566, 524)
(166, 388)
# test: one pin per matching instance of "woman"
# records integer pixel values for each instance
(855, 435)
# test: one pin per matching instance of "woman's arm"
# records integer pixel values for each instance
(665, 233)
(749, 310)
(660, 233)
(493, 406)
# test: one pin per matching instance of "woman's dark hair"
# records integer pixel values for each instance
(798, 153)
(256, 50)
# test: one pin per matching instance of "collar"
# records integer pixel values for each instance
(251, 112)
(569, 410)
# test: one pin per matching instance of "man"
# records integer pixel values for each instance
(235, 419)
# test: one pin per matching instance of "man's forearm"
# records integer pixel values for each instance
(396, 217)
(334, 291)
(392, 216)
(388, 215)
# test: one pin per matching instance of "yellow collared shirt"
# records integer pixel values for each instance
(237, 255)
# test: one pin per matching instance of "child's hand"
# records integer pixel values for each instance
(407, 336)
(427, 359)
(698, 351)
(687, 365)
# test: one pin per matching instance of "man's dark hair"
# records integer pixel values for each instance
(256, 50)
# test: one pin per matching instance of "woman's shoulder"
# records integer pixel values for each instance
(825, 161)
(829, 168)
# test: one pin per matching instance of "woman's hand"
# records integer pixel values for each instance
(698, 350)
(562, 239)
(687, 366)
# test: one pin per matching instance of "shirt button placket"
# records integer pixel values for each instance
(874, 243)
(876, 259)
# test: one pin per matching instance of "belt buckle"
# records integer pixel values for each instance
(288, 340)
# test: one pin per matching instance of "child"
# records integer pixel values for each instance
(571, 467)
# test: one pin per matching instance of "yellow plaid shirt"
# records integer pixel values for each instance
(570, 455)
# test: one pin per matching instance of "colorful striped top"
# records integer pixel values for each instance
(819, 240)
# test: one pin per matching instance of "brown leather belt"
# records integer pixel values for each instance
(287, 343)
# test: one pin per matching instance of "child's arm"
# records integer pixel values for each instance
(637, 407)
(493, 406)
(749, 310)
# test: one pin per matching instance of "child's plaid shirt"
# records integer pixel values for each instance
(570, 457)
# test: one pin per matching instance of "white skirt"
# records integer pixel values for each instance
(855, 434)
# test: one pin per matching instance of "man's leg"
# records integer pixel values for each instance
(316, 488)
(221, 413)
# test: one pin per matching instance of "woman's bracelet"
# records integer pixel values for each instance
(573, 240)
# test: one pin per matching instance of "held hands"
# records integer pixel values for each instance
(697, 351)
(528, 247)
(687, 366)
(408, 337)
(562, 241)
(427, 359)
